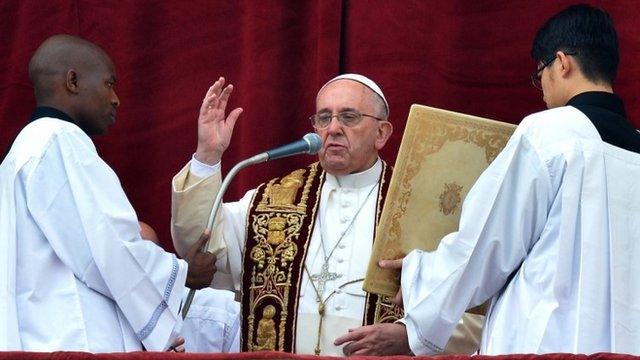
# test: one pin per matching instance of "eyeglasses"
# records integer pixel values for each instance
(347, 118)
(536, 77)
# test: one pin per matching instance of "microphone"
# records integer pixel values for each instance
(310, 144)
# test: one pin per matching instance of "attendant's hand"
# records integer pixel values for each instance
(393, 265)
(378, 340)
(214, 131)
(177, 345)
(202, 265)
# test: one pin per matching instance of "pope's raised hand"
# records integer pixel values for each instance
(214, 128)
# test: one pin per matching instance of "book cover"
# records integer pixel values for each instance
(441, 155)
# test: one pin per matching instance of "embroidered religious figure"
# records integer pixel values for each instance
(284, 193)
(266, 333)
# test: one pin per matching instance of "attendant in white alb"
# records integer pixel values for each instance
(550, 229)
(74, 272)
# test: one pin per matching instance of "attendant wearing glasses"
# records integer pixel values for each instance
(296, 248)
(550, 230)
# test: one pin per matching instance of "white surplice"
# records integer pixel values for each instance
(74, 272)
(551, 231)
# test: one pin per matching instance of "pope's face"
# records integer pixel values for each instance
(347, 150)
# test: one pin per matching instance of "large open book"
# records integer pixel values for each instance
(441, 155)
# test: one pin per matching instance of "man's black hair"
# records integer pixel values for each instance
(586, 31)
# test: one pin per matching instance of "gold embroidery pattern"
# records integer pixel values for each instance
(271, 251)
(450, 198)
(276, 226)
(386, 311)
(382, 192)
(429, 141)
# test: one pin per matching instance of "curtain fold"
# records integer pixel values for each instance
(467, 56)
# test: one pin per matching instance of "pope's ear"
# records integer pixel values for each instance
(71, 81)
(385, 129)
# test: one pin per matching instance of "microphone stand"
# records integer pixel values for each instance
(260, 158)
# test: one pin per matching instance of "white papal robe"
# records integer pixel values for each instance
(74, 272)
(340, 200)
(551, 231)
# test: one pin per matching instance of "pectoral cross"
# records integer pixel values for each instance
(322, 278)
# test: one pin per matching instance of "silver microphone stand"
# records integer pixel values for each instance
(216, 206)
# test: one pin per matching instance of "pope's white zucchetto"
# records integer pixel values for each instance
(364, 81)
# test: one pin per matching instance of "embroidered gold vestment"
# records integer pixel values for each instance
(279, 226)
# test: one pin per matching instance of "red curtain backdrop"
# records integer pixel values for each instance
(467, 56)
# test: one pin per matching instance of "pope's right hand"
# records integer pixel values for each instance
(214, 130)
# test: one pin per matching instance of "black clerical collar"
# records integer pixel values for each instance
(606, 112)
(602, 99)
(46, 111)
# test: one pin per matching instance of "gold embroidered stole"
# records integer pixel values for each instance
(379, 309)
(279, 227)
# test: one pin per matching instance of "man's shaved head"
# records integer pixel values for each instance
(56, 56)
(77, 77)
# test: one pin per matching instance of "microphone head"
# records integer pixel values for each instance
(314, 141)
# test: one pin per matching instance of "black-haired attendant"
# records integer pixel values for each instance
(550, 231)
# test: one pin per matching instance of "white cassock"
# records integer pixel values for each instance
(551, 230)
(74, 272)
(341, 198)
(212, 324)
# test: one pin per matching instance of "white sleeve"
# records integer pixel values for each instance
(192, 200)
(502, 217)
(79, 205)
(202, 170)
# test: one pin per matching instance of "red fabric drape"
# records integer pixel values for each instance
(468, 56)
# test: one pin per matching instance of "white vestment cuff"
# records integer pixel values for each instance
(202, 170)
